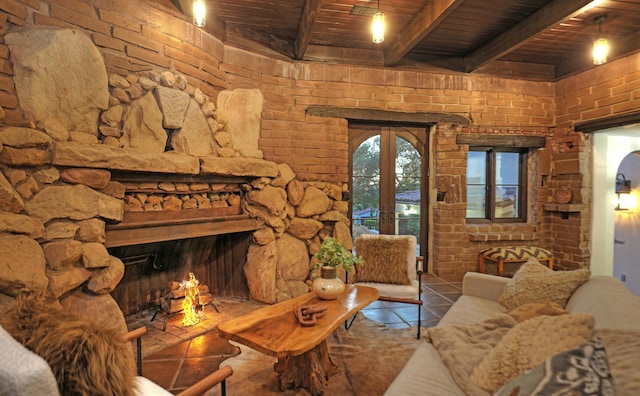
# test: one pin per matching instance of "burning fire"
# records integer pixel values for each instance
(193, 310)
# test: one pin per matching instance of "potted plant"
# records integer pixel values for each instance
(331, 255)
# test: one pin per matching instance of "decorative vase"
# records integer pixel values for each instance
(328, 286)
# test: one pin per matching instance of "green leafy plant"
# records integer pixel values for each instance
(332, 253)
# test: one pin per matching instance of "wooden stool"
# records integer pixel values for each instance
(514, 254)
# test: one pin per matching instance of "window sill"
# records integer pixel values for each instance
(497, 232)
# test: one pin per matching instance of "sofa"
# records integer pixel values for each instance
(603, 302)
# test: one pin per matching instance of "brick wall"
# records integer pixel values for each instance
(136, 36)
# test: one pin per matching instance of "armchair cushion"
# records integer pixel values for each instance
(22, 372)
(387, 259)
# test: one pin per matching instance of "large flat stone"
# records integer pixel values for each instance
(107, 157)
(238, 167)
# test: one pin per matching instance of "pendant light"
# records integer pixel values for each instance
(377, 26)
(199, 13)
(601, 45)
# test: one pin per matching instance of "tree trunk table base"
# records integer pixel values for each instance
(310, 371)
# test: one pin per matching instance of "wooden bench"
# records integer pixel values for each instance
(514, 254)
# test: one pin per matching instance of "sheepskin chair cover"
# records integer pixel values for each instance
(85, 358)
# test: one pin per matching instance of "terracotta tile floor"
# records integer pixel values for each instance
(179, 366)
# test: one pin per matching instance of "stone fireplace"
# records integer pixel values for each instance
(124, 181)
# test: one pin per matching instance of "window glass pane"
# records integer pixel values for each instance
(476, 184)
(407, 198)
(366, 186)
(507, 184)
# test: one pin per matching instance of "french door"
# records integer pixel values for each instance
(388, 173)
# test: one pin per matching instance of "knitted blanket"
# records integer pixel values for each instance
(462, 347)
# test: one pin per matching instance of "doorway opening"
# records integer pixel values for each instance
(388, 174)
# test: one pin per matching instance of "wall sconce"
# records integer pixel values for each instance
(377, 26)
(199, 13)
(623, 192)
(601, 45)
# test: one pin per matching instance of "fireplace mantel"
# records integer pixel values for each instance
(181, 227)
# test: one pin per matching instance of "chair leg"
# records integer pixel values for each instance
(349, 322)
(419, 299)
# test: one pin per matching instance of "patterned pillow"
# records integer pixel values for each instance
(531, 310)
(387, 259)
(534, 282)
(580, 371)
(529, 344)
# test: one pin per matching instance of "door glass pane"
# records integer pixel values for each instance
(507, 184)
(476, 184)
(365, 203)
(407, 187)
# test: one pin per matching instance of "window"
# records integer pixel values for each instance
(496, 184)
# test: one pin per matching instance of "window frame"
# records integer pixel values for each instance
(490, 188)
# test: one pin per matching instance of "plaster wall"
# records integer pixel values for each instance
(610, 147)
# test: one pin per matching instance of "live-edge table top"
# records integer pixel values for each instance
(275, 331)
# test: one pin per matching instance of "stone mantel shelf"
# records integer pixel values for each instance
(147, 231)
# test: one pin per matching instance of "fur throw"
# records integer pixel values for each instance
(85, 358)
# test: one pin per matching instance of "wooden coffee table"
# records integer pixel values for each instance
(302, 352)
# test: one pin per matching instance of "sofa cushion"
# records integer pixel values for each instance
(609, 301)
(531, 310)
(413, 381)
(582, 371)
(529, 344)
(387, 259)
(534, 282)
(469, 310)
(623, 351)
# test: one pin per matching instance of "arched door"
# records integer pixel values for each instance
(388, 173)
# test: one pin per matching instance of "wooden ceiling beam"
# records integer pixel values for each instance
(543, 19)
(427, 19)
(308, 20)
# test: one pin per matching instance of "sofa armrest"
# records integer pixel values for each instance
(483, 285)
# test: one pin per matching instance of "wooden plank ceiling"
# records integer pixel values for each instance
(544, 40)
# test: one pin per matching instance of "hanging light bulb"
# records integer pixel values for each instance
(377, 26)
(199, 13)
(601, 45)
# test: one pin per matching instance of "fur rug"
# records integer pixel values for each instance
(368, 355)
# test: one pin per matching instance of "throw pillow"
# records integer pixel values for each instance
(623, 351)
(529, 344)
(582, 371)
(534, 282)
(85, 358)
(531, 310)
(385, 260)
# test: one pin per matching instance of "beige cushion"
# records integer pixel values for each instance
(531, 310)
(387, 258)
(534, 282)
(623, 351)
(529, 344)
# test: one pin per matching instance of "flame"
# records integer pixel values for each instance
(191, 307)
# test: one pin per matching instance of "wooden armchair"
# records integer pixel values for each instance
(147, 387)
(391, 266)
